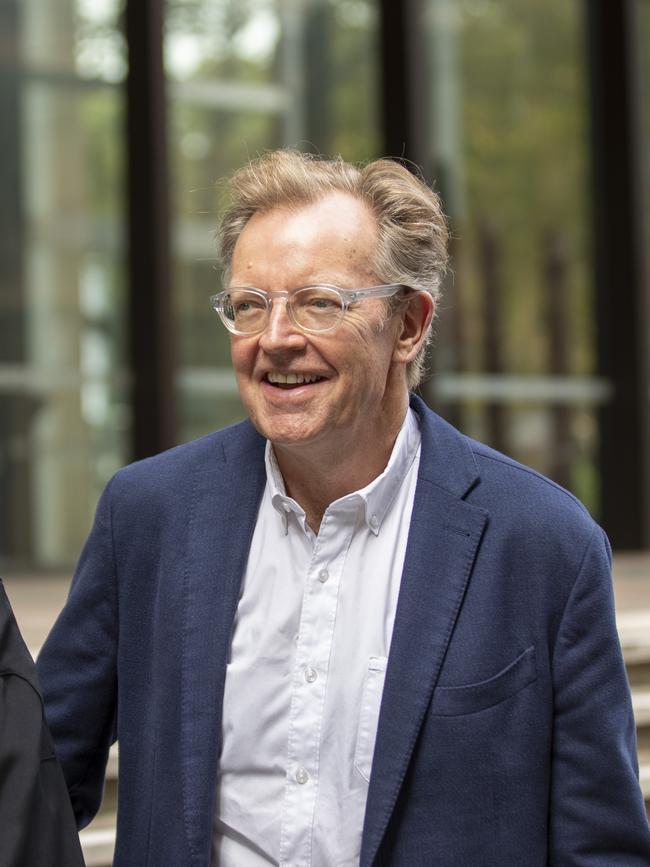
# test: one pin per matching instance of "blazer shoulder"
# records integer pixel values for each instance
(171, 472)
(519, 496)
(509, 486)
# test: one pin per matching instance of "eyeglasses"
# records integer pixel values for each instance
(313, 309)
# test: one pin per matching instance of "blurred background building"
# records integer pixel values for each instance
(118, 120)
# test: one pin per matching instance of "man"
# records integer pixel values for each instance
(344, 633)
(37, 827)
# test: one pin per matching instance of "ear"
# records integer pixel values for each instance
(415, 319)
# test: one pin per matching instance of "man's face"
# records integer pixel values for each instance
(357, 385)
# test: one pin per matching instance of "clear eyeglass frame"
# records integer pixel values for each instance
(222, 303)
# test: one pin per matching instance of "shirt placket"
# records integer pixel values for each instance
(309, 686)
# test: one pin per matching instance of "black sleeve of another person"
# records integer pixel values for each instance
(37, 827)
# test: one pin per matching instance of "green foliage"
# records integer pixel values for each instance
(525, 164)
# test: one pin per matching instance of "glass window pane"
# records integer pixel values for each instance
(516, 348)
(63, 386)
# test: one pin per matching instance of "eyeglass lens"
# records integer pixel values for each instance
(317, 308)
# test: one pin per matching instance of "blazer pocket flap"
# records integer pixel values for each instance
(473, 697)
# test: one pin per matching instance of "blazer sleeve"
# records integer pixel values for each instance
(77, 667)
(597, 814)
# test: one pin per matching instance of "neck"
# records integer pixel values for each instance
(315, 476)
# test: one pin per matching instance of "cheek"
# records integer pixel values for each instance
(363, 345)
(243, 356)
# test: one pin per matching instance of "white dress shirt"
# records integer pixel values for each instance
(306, 671)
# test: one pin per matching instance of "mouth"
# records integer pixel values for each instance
(288, 381)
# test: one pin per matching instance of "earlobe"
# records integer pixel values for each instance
(414, 327)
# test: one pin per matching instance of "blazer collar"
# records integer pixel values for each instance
(447, 459)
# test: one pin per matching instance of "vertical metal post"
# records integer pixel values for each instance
(405, 101)
(150, 313)
(292, 64)
(17, 408)
(621, 275)
(317, 73)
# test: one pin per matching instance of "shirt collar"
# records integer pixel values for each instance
(281, 501)
(375, 498)
(380, 493)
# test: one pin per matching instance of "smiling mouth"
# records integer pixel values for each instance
(291, 380)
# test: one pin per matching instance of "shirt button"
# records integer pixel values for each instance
(374, 522)
(310, 674)
(301, 776)
(323, 575)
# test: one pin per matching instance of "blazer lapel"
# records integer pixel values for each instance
(443, 540)
(221, 523)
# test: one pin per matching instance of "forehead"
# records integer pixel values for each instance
(332, 238)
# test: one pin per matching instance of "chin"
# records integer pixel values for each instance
(281, 437)
(287, 434)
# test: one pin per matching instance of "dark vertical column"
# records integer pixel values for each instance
(405, 104)
(406, 110)
(16, 407)
(150, 312)
(318, 76)
(621, 279)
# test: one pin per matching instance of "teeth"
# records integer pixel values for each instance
(290, 378)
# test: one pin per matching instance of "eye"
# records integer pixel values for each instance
(317, 298)
(243, 303)
(322, 303)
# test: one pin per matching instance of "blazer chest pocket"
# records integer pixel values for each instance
(473, 697)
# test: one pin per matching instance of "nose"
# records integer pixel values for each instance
(280, 332)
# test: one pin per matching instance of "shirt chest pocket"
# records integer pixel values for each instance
(460, 700)
(369, 715)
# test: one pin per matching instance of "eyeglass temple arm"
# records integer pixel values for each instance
(376, 291)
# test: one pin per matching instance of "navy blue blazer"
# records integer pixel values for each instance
(506, 736)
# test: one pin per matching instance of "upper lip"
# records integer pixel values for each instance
(291, 377)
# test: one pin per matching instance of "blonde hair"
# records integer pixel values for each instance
(412, 230)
